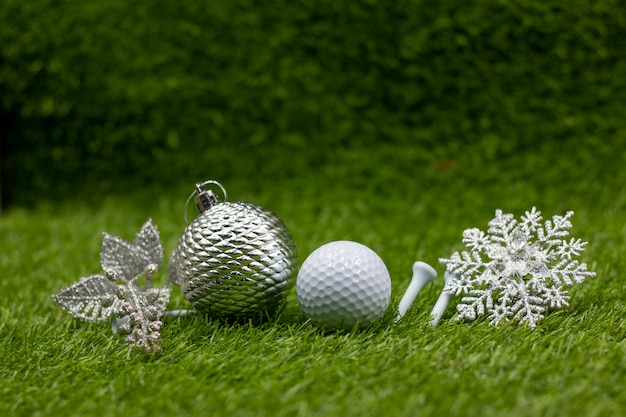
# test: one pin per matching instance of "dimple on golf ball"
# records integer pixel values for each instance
(342, 284)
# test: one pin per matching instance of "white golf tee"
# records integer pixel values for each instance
(422, 274)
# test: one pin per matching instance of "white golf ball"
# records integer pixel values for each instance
(343, 283)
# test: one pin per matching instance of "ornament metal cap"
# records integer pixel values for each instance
(205, 198)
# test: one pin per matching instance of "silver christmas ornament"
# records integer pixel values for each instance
(235, 259)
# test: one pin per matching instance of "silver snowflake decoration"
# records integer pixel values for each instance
(518, 270)
(117, 295)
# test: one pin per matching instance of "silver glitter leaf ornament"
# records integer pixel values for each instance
(90, 299)
(235, 259)
(122, 261)
(97, 298)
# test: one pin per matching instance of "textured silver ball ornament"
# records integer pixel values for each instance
(235, 259)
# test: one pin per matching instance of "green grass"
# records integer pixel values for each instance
(407, 205)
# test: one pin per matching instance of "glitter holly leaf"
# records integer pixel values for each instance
(97, 298)
(518, 270)
(90, 299)
(123, 261)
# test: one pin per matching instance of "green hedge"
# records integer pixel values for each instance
(100, 92)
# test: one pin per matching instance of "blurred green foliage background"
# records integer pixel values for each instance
(112, 96)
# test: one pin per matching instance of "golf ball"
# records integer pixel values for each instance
(342, 284)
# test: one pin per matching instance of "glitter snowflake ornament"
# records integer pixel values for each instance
(518, 270)
(117, 295)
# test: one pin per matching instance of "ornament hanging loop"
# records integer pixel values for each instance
(205, 197)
